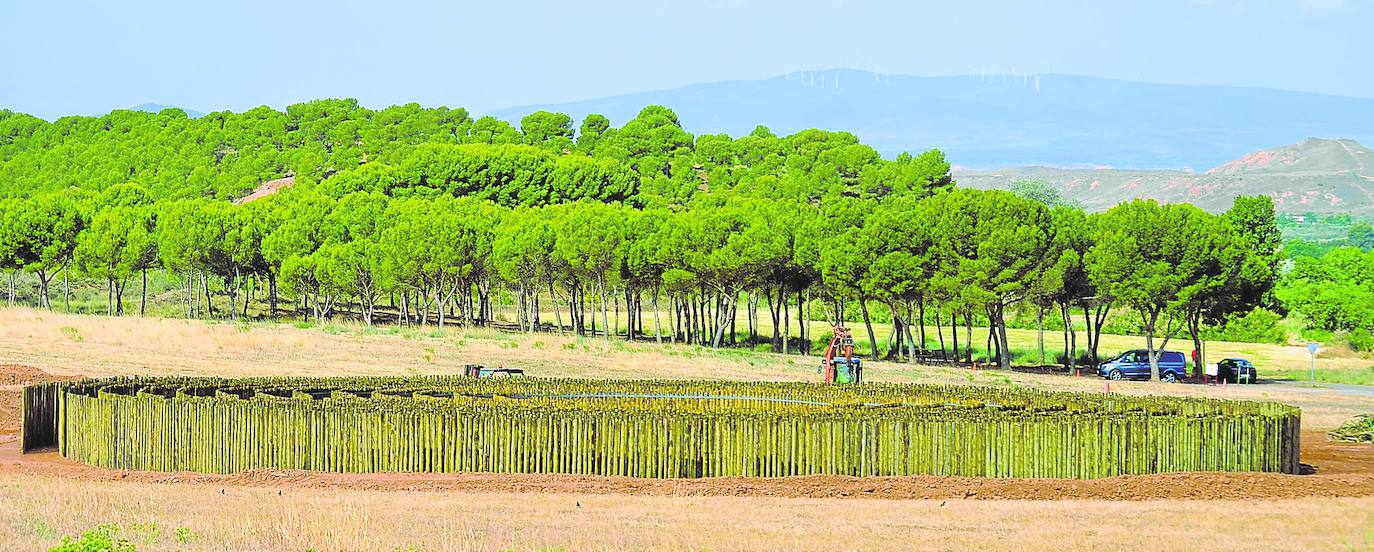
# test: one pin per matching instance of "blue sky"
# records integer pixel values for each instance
(86, 58)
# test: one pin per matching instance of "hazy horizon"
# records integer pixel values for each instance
(97, 57)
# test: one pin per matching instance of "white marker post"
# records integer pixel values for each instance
(1312, 352)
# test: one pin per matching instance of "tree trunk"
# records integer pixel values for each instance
(43, 279)
(205, 285)
(1070, 339)
(773, 310)
(658, 331)
(605, 319)
(1040, 331)
(1195, 332)
(954, 333)
(232, 288)
(911, 336)
(968, 337)
(677, 320)
(248, 296)
(868, 323)
(782, 301)
(1004, 347)
(994, 353)
(720, 322)
(143, 294)
(1150, 346)
(557, 314)
(1088, 331)
(940, 333)
(734, 314)
(440, 301)
(752, 312)
(272, 295)
(66, 290)
(921, 313)
(898, 341)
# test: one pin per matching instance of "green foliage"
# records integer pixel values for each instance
(1041, 192)
(1257, 326)
(1176, 266)
(1360, 429)
(105, 538)
(1361, 235)
(1360, 340)
(437, 213)
(184, 535)
(1334, 292)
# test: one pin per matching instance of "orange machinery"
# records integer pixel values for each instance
(839, 364)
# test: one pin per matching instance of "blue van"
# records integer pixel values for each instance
(1135, 364)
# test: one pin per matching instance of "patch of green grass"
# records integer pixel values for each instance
(184, 535)
(336, 329)
(1347, 376)
(105, 538)
(72, 333)
(146, 532)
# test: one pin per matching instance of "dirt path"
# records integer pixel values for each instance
(1338, 471)
(1335, 470)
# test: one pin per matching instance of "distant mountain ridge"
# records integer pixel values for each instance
(1314, 175)
(1005, 120)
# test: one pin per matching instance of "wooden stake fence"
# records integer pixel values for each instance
(648, 428)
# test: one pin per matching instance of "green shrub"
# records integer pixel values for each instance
(1358, 430)
(1257, 326)
(184, 535)
(1317, 335)
(104, 538)
(1360, 340)
(1122, 323)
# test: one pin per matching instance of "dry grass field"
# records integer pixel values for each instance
(36, 509)
(249, 518)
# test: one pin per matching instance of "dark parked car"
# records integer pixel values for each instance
(1237, 370)
(1135, 364)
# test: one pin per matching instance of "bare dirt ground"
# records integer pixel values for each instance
(13, 378)
(268, 188)
(43, 496)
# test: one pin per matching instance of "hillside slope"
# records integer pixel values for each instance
(1003, 120)
(1315, 175)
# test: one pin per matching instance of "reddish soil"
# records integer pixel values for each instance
(1332, 470)
(13, 378)
(268, 188)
